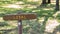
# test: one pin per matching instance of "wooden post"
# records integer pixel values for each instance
(19, 26)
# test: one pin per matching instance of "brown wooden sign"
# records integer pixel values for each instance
(19, 16)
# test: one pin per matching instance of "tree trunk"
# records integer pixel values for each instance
(49, 1)
(43, 1)
(57, 5)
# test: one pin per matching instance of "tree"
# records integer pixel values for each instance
(49, 1)
(57, 5)
(43, 1)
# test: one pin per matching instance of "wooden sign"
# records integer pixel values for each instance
(19, 16)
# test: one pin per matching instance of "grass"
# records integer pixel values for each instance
(29, 26)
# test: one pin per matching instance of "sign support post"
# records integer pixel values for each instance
(19, 26)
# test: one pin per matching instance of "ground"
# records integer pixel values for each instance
(44, 14)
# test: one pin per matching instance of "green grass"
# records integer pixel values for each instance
(29, 26)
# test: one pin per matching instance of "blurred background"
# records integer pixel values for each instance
(47, 22)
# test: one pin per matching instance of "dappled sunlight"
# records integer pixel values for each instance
(5, 28)
(13, 6)
(13, 23)
(32, 0)
(58, 12)
(58, 33)
(47, 8)
(41, 19)
(51, 24)
(45, 23)
(36, 10)
(19, 6)
(2, 12)
(20, 2)
(53, 2)
(26, 26)
(1, 19)
(32, 7)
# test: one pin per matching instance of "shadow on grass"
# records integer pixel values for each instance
(2, 24)
(8, 31)
(40, 13)
(46, 14)
(47, 6)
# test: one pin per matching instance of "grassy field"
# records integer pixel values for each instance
(44, 13)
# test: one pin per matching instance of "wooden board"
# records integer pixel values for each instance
(19, 17)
